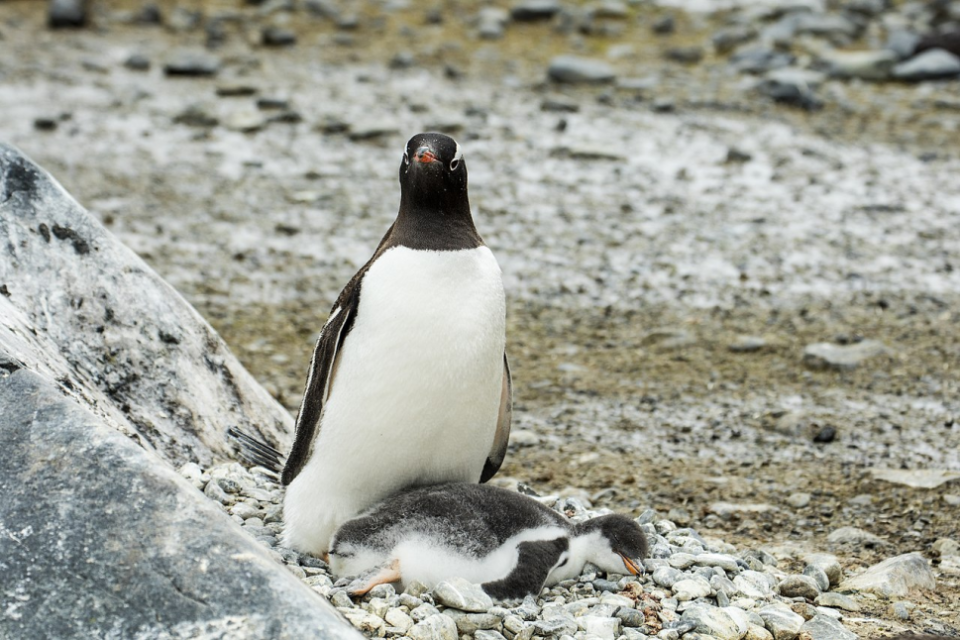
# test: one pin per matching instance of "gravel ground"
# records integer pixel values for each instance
(671, 247)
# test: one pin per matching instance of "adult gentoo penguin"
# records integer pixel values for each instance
(408, 384)
(508, 543)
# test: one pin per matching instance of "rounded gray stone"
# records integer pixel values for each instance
(577, 70)
(799, 586)
(462, 594)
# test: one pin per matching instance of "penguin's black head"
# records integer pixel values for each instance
(620, 543)
(433, 168)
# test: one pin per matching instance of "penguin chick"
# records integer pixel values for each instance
(508, 543)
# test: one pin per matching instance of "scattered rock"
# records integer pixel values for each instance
(792, 86)
(246, 120)
(491, 22)
(236, 90)
(760, 60)
(691, 589)
(587, 151)
(894, 577)
(273, 36)
(837, 601)
(916, 478)
(902, 43)
(932, 64)
(66, 13)
(372, 130)
(822, 627)
(45, 123)
(827, 563)
(867, 65)
(822, 24)
(825, 355)
(685, 55)
(664, 25)
(534, 10)
(798, 586)
(576, 70)
(783, 623)
(461, 594)
(192, 64)
(798, 500)
(137, 62)
(435, 627)
(744, 344)
(727, 509)
(853, 536)
(196, 115)
(725, 40)
(945, 547)
(714, 622)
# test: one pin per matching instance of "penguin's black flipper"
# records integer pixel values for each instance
(502, 436)
(535, 560)
(256, 452)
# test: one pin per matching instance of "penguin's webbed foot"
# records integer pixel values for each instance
(384, 574)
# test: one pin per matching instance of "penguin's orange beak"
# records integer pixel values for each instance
(631, 566)
(425, 155)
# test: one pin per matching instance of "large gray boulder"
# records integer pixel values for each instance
(108, 378)
(97, 321)
(100, 539)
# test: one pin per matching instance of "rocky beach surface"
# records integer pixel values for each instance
(728, 232)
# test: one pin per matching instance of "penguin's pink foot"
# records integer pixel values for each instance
(385, 575)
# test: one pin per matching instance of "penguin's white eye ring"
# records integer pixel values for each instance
(406, 158)
(454, 164)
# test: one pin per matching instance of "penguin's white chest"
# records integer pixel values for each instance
(416, 391)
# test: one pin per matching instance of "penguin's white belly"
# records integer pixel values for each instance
(416, 392)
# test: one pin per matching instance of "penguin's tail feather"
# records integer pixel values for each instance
(256, 452)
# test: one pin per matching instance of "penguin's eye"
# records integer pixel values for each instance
(454, 164)
(406, 158)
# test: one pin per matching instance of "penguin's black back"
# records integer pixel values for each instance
(474, 519)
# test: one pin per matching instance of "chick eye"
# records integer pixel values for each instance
(454, 164)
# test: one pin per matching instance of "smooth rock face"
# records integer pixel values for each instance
(576, 70)
(867, 65)
(894, 577)
(94, 317)
(102, 539)
(796, 586)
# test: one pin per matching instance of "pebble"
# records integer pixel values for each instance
(822, 627)
(684, 55)
(191, 64)
(462, 594)
(838, 601)
(795, 86)
(760, 60)
(827, 563)
(492, 22)
(137, 62)
(66, 13)
(435, 627)
(799, 586)
(932, 64)
(470, 623)
(783, 623)
(744, 344)
(372, 129)
(894, 577)
(854, 537)
(818, 575)
(691, 588)
(273, 36)
(488, 634)
(867, 65)
(825, 355)
(534, 10)
(799, 500)
(664, 25)
(576, 70)
(714, 622)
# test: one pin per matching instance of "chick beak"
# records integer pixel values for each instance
(631, 566)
